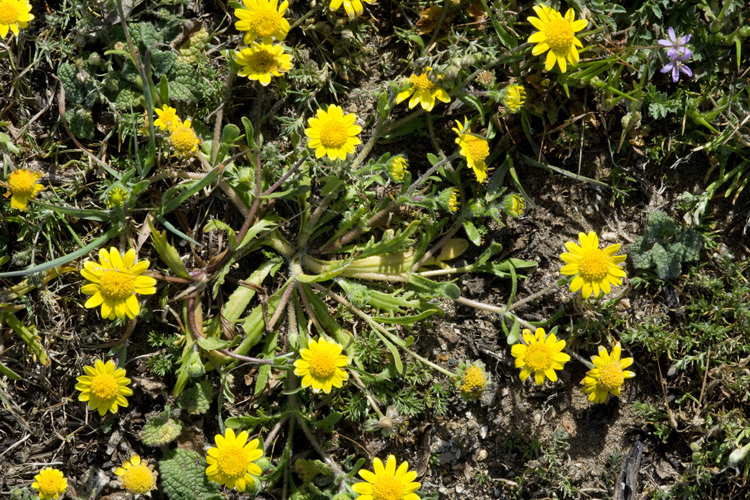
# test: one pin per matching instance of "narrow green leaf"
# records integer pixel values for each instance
(472, 233)
(213, 343)
(167, 252)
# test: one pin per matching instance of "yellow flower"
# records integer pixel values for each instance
(453, 203)
(50, 483)
(353, 8)
(398, 168)
(422, 91)
(104, 387)
(514, 205)
(387, 483)
(515, 96)
(115, 283)
(321, 365)
(594, 269)
(539, 354)
(262, 19)
(473, 381)
(183, 139)
(135, 476)
(116, 197)
(262, 61)
(556, 34)
(608, 375)
(332, 133)
(166, 118)
(231, 462)
(22, 187)
(14, 14)
(474, 148)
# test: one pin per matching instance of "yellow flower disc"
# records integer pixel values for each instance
(50, 483)
(387, 482)
(474, 149)
(540, 354)
(332, 133)
(14, 14)
(557, 35)
(608, 375)
(515, 96)
(22, 187)
(115, 282)
(321, 365)
(262, 19)
(104, 387)
(183, 139)
(231, 462)
(473, 382)
(594, 270)
(135, 476)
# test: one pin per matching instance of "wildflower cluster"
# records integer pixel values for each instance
(182, 137)
(23, 186)
(263, 19)
(678, 54)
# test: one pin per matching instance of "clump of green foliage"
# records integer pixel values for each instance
(183, 476)
(664, 246)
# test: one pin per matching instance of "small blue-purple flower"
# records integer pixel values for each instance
(677, 46)
(678, 65)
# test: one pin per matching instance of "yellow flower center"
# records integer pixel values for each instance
(183, 139)
(611, 375)
(473, 381)
(104, 386)
(117, 285)
(20, 182)
(50, 484)
(388, 488)
(138, 479)
(8, 13)
(333, 133)
(421, 82)
(262, 61)
(116, 197)
(539, 357)
(322, 365)
(232, 461)
(593, 265)
(559, 34)
(478, 148)
(266, 22)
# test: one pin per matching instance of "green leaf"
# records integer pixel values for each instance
(168, 206)
(472, 233)
(89, 214)
(81, 123)
(429, 289)
(167, 252)
(213, 343)
(217, 225)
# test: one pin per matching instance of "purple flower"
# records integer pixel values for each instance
(678, 65)
(676, 45)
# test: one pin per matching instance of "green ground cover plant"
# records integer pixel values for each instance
(324, 250)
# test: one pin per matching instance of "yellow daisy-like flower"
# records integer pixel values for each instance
(14, 14)
(183, 139)
(321, 365)
(332, 133)
(387, 482)
(473, 381)
(474, 148)
(104, 387)
(262, 61)
(453, 203)
(608, 375)
(556, 34)
(353, 8)
(135, 476)
(116, 197)
(232, 461)
(115, 283)
(166, 118)
(514, 205)
(423, 91)
(262, 19)
(594, 269)
(22, 187)
(398, 168)
(515, 96)
(540, 354)
(50, 483)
